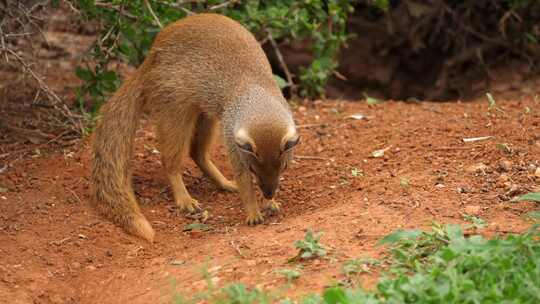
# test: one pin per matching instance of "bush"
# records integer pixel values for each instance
(127, 29)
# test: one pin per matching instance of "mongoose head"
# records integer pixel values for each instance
(267, 150)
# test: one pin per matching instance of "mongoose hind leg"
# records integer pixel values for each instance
(174, 138)
(200, 153)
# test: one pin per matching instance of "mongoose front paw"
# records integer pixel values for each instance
(254, 219)
(189, 205)
(272, 207)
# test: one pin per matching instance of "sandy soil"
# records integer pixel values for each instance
(56, 249)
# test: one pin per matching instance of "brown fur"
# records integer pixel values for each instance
(203, 69)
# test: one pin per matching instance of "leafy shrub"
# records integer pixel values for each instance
(127, 29)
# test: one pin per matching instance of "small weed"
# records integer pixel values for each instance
(404, 182)
(355, 172)
(476, 222)
(290, 274)
(492, 104)
(309, 247)
(504, 148)
(371, 100)
(357, 266)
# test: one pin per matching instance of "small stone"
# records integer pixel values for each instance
(440, 186)
(90, 267)
(302, 109)
(251, 263)
(473, 210)
(537, 172)
(75, 265)
(503, 178)
(108, 253)
(531, 168)
(505, 165)
(476, 168)
(513, 190)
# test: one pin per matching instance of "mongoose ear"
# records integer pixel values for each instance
(290, 140)
(243, 141)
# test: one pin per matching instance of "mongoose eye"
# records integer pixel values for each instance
(246, 147)
(291, 143)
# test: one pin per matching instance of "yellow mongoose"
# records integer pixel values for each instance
(200, 70)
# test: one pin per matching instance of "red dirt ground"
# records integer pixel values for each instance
(56, 249)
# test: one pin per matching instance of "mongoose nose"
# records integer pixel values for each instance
(268, 194)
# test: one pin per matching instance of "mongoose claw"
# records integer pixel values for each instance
(254, 219)
(190, 205)
(272, 207)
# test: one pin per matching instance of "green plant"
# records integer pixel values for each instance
(449, 268)
(356, 266)
(533, 196)
(476, 222)
(355, 172)
(128, 27)
(290, 274)
(309, 247)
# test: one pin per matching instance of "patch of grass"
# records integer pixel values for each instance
(441, 265)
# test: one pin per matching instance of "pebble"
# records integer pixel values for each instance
(505, 165)
(476, 168)
(473, 210)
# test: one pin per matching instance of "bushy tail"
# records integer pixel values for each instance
(112, 191)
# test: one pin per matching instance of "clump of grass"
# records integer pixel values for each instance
(441, 265)
(310, 247)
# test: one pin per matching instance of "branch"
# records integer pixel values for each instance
(56, 101)
(149, 7)
(279, 56)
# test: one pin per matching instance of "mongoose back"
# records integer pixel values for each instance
(201, 70)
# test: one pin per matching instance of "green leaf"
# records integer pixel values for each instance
(335, 295)
(197, 226)
(84, 74)
(282, 83)
(534, 215)
(535, 197)
(371, 100)
(398, 235)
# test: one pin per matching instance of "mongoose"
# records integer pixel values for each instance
(201, 70)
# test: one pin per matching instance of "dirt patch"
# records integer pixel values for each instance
(56, 249)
